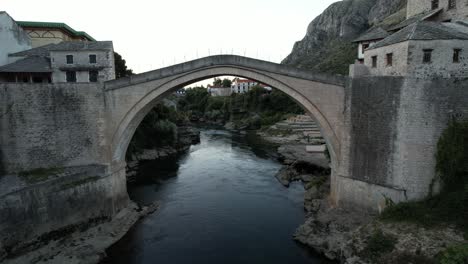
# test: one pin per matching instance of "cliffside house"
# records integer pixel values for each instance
(369, 38)
(431, 42)
(91, 61)
(244, 85)
(44, 52)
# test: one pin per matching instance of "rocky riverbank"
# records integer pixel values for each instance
(187, 135)
(352, 236)
(88, 246)
(346, 234)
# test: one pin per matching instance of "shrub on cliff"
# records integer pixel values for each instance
(454, 255)
(452, 156)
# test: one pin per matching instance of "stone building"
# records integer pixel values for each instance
(448, 10)
(423, 49)
(44, 33)
(73, 61)
(431, 43)
(369, 38)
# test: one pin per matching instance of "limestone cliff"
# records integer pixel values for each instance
(327, 45)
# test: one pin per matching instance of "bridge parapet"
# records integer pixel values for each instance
(226, 60)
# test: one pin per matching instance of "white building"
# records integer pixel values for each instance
(219, 91)
(244, 85)
(12, 38)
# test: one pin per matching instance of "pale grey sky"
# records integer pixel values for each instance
(151, 34)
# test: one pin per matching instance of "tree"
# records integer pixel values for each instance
(226, 83)
(217, 82)
(121, 69)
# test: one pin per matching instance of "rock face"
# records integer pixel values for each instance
(352, 237)
(327, 45)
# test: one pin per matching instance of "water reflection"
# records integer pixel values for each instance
(220, 204)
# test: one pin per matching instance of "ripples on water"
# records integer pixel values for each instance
(220, 204)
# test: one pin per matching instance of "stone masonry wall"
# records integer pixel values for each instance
(55, 170)
(416, 7)
(426, 107)
(399, 66)
(408, 59)
(51, 125)
(442, 64)
(395, 126)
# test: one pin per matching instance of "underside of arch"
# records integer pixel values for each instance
(129, 123)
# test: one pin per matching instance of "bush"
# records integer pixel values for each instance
(157, 129)
(454, 255)
(378, 245)
(452, 156)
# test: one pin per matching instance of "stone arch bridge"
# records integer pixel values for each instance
(62, 146)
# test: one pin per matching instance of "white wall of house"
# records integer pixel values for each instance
(81, 64)
(242, 87)
(12, 38)
(220, 91)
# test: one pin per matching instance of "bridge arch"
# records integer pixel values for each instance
(150, 90)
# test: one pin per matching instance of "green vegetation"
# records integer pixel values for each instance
(157, 129)
(452, 157)
(338, 57)
(253, 109)
(316, 181)
(454, 255)
(39, 174)
(378, 244)
(121, 69)
(334, 58)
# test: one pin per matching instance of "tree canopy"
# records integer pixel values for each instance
(121, 69)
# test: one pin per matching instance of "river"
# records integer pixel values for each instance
(220, 203)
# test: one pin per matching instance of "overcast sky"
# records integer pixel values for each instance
(151, 34)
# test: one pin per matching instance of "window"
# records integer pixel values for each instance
(37, 79)
(427, 58)
(374, 61)
(71, 76)
(389, 59)
(92, 58)
(452, 4)
(69, 59)
(435, 4)
(456, 55)
(93, 76)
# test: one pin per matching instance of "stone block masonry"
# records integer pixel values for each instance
(62, 146)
